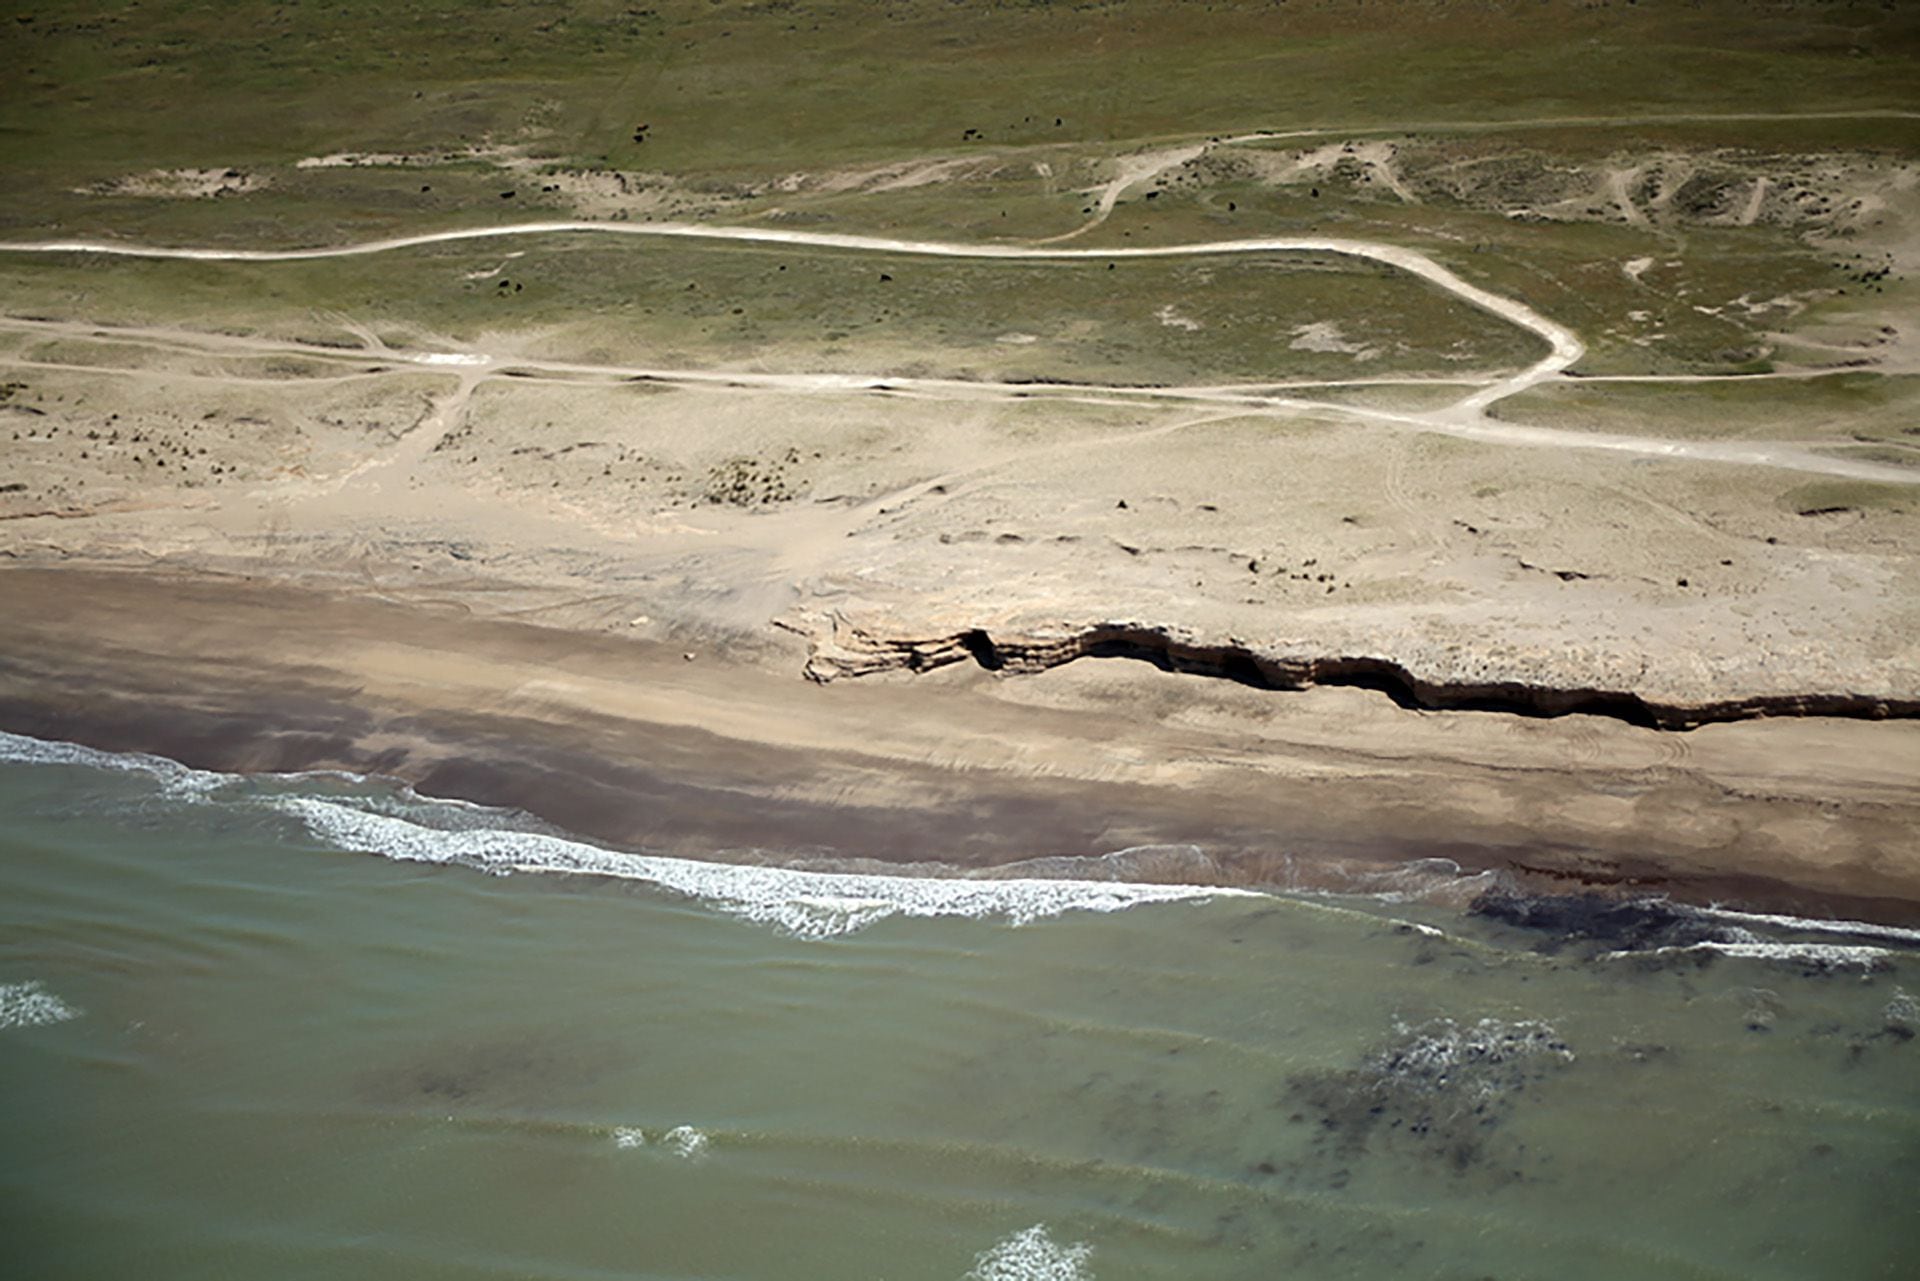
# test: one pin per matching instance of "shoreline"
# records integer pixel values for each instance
(627, 742)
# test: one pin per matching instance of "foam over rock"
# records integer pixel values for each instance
(1478, 1058)
(808, 905)
(1033, 1255)
(684, 1141)
(29, 1004)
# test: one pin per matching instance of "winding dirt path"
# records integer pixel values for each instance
(1564, 347)
(1466, 418)
(473, 367)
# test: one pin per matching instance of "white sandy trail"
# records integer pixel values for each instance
(1134, 170)
(1564, 348)
(1264, 398)
(1254, 399)
(1465, 419)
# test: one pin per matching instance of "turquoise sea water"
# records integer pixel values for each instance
(292, 1028)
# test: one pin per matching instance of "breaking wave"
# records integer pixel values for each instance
(176, 780)
(1831, 956)
(828, 897)
(1812, 925)
(808, 905)
(682, 1141)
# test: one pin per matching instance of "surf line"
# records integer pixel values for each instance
(1564, 346)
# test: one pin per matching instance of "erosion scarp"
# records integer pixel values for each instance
(854, 651)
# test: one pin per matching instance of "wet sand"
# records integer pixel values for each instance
(629, 742)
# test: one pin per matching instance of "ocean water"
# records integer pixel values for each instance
(319, 1026)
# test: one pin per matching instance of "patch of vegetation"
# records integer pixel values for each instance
(680, 304)
(676, 109)
(1843, 406)
(1891, 454)
(1837, 497)
(703, 88)
(752, 482)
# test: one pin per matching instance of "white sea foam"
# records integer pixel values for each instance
(1828, 955)
(1033, 1255)
(29, 1004)
(182, 782)
(175, 779)
(1477, 1058)
(1421, 880)
(685, 1141)
(1813, 925)
(810, 905)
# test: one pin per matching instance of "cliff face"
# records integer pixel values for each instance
(851, 650)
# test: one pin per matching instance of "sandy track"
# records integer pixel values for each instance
(473, 367)
(1134, 170)
(1465, 419)
(1564, 347)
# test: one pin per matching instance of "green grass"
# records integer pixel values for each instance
(1842, 407)
(675, 304)
(742, 97)
(758, 89)
(1893, 455)
(1824, 497)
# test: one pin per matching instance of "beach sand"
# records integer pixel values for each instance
(635, 743)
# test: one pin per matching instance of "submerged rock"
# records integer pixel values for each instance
(1483, 1060)
(1902, 1015)
(1608, 924)
(1442, 1086)
(1655, 932)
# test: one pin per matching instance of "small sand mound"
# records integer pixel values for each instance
(178, 184)
(1326, 336)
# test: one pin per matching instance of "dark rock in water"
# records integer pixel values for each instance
(1609, 924)
(1902, 1015)
(1486, 1059)
(1440, 1088)
(505, 1073)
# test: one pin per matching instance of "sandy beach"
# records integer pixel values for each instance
(1299, 492)
(731, 757)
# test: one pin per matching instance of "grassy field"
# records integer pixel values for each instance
(738, 92)
(748, 85)
(823, 115)
(674, 304)
(1867, 408)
